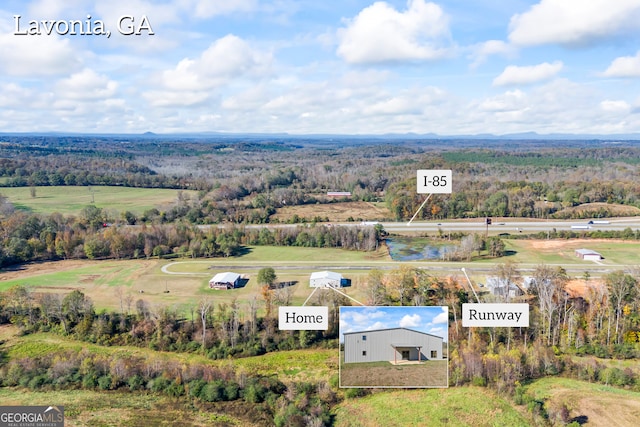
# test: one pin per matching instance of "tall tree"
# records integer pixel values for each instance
(621, 289)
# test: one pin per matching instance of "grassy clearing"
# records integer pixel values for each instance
(615, 252)
(298, 365)
(598, 404)
(92, 408)
(71, 200)
(144, 279)
(461, 406)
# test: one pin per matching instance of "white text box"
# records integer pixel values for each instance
(509, 315)
(437, 181)
(303, 318)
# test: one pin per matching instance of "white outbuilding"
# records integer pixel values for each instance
(226, 280)
(588, 255)
(324, 279)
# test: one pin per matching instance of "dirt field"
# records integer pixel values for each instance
(432, 373)
(564, 244)
(337, 212)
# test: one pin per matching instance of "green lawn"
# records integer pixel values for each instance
(455, 406)
(299, 365)
(116, 408)
(71, 200)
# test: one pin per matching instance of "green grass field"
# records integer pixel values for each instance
(71, 200)
(298, 365)
(455, 406)
(114, 408)
(144, 279)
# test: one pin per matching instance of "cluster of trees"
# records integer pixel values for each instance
(604, 320)
(219, 332)
(294, 404)
(27, 237)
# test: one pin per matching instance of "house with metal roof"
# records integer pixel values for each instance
(323, 279)
(391, 345)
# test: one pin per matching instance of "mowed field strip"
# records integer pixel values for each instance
(70, 200)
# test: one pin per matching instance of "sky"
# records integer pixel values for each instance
(430, 319)
(450, 67)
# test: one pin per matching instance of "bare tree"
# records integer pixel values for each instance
(204, 308)
(549, 286)
(375, 289)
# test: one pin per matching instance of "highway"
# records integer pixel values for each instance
(512, 226)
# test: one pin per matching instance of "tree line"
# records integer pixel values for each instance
(28, 237)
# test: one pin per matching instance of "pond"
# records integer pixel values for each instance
(408, 249)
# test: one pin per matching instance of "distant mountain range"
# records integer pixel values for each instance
(390, 136)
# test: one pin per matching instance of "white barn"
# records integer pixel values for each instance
(588, 255)
(225, 280)
(391, 345)
(323, 279)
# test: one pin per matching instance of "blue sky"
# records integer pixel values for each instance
(353, 67)
(431, 319)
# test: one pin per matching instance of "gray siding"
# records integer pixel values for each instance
(377, 346)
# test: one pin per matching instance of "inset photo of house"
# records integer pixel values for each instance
(394, 347)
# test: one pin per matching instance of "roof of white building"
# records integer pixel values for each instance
(226, 277)
(326, 275)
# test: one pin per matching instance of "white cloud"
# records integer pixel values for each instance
(515, 75)
(573, 22)
(508, 101)
(227, 58)
(624, 66)
(380, 33)
(441, 318)
(36, 56)
(483, 51)
(86, 85)
(615, 106)
(410, 321)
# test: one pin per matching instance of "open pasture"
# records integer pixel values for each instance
(455, 406)
(183, 283)
(70, 200)
(562, 251)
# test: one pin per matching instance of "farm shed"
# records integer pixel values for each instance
(391, 345)
(225, 280)
(323, 279)
(588, 255)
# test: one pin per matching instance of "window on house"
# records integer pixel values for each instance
(364, 338)
(434, 354)
(364, 352)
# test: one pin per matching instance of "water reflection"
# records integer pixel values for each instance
(415, 250)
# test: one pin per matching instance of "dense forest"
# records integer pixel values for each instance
(244, 181)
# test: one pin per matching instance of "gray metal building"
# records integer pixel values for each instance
(395, 345)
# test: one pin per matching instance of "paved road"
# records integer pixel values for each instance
(506, 225)
(513, 226)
